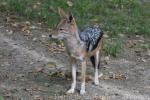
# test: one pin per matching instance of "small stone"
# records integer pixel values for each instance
(46, 84)
(106, 36)
(38, 69)
(121, 35)
(20, 75)
(107, 58)
(43, 36)
(103, 98)
(143, 60)
(2, 65)
(10, 32)
(69, 3)
(31, 63)
(141, 41)
(15, 24)
(33, 27)
(4, 3)
(34, 39)
(37, 97)
(100, 75)
(6, 63)
(27, 22)
(137, 36)
(1, 26)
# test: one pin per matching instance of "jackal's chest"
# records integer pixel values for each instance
(74, 49)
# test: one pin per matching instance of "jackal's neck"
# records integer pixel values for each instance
(77, 36)
(74, 38)
(76, 33)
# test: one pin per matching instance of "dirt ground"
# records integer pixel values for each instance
(33, 69)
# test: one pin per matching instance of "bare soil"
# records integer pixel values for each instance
(31, 69)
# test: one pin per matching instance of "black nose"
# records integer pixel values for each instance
(50, 35)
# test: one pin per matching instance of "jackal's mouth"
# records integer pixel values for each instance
(56, 37)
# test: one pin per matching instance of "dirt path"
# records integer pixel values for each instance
(26, 66)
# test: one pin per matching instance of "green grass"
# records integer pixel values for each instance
(1, 98)
(113, 47)
(114, 16)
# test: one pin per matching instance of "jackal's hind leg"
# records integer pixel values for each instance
(97, 64)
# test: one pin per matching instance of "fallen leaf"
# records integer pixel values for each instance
(10, 32)
(87, 78)
(35, 6)
(118, 76)
(144, 60)
(57, 74)
(121, 35)
(130, 44)
(147, 87)
(20, 75)
(24, 28)
(38, 69)
(15, 24)
(113, 76)
(100, 97)
(43, 36)
(53, 47)
(103, 98)
(94, 20)
(107, 58)
(33, 27)
(106, 36)
(27, 23)
(34, 39)
(51, 65)
(46, 84)
(42, 89)
(148, 52)
(51, 9)
(100, 75)
(37, 97)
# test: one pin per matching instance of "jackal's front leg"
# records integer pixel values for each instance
(83, 73)
(73, 85)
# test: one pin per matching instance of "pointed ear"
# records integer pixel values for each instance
(62, 13)
(70, 17)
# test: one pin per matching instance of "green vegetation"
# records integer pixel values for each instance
(113, 47)
(1, 98)
(114, 16)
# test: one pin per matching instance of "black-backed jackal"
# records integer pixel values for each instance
(80, 46)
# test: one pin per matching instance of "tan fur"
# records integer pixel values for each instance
(67, 27)
(98, 48)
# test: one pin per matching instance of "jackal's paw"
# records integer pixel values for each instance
(70, 91)
(82, 92)
(96, 82)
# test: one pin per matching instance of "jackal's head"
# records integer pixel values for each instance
(66, 26)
